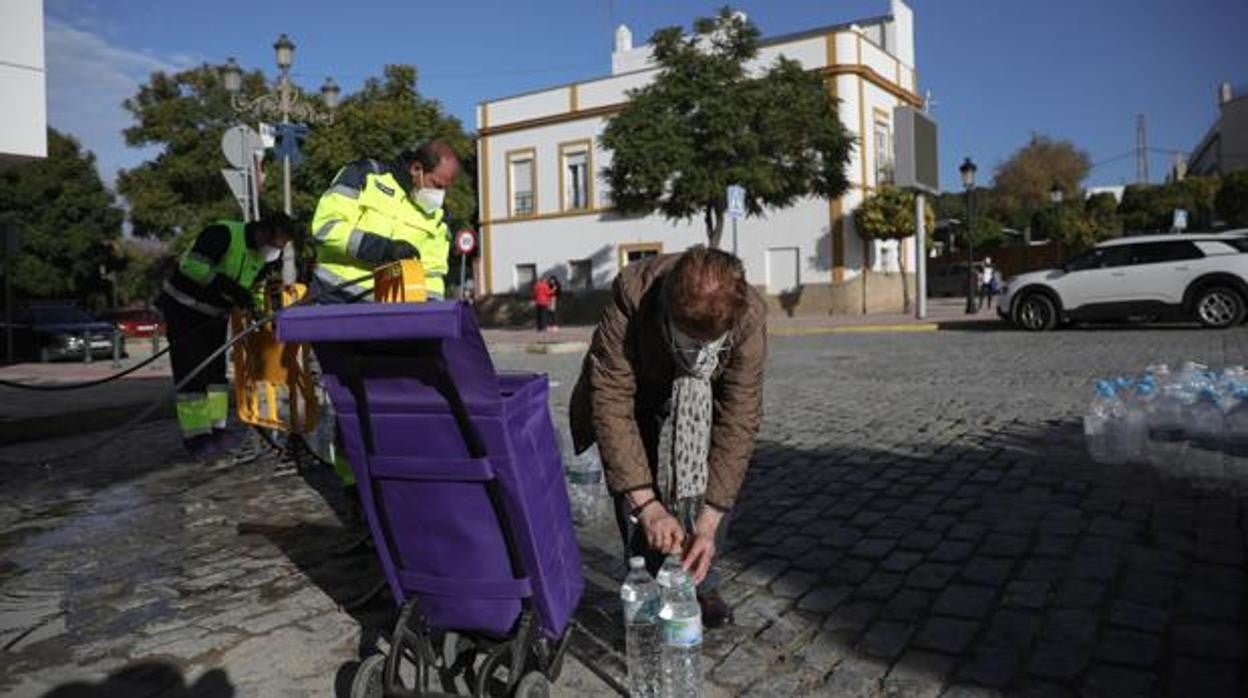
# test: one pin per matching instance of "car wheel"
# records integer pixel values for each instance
(1036, 313)
(1219, 306)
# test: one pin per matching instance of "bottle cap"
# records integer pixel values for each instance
(637, 562)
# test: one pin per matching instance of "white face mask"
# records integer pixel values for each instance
(271, 253)
(690, 349)
(430, 199)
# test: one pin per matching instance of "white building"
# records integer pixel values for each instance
(545, 208)
(23, 128)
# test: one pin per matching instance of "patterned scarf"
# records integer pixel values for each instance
(685, 436)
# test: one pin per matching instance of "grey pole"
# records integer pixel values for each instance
(86, 348)
(116, 348)
(734, 237)
(463, 269)
(920, 241)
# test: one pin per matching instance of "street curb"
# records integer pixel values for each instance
(23, 429)
(557, 348)
(851, 329)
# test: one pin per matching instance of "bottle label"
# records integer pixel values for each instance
(584, 477)
(682, 632)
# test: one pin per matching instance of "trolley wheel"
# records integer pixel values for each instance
(533, 685)
(369, 680)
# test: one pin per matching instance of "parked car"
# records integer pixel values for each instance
(53, 331)
(136, 323)
(1196, 276)
(950, 279)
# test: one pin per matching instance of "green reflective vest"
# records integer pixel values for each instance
(240, 263)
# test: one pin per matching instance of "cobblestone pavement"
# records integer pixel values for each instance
(920, 520)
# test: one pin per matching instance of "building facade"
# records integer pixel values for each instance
(546, 209)
(1224, 149)
(23, 128)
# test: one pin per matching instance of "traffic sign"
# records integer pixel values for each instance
(736, 201)
(465, 242)
(239, 143)
(1180, 219)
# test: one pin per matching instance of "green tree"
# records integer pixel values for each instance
(1231, 201)
(705, 123)
(889, 215)
(1102, 211)
(144, 266)
(67, 220)
(1143, 208)
(184, 115)
(1023, 181)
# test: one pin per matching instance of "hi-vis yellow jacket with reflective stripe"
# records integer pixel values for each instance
(365, 208)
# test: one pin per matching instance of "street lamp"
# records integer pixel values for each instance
(967, 171)
(283, 102)
(1056, 194)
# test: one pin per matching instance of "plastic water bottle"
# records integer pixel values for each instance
(1205, 430)
(642, 639)
(1235, 429)
(1104, 424)
(1166, 422)
(1136, 424)
(681, 619)
(585, 486)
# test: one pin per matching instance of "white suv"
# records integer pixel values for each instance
(1204, 277)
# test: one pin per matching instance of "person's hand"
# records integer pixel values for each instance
(403, 250)
(701, 552)
(663, 532)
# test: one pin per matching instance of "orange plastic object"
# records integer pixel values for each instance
(273, 386)
(401, 282)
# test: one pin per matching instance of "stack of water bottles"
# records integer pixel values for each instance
(1189, 423)
(662, 631)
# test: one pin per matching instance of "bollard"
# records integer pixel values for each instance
(86, 348)
(155, 342)
(116, 348)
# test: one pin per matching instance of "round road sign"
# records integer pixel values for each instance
(465, 241)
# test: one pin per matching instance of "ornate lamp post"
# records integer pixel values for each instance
(968, 183)
(283, 101)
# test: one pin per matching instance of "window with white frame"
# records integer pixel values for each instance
(883, 154)
(522, 182)
(575, 175)
(526, 274)
(582, 275)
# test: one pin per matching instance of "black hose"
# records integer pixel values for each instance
(52, 387)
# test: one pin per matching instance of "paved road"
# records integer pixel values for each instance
(920, 520)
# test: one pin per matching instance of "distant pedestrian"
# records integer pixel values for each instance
(985, 283)
(541, 303)
(556, 290)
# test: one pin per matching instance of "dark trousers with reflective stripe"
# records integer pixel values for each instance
(193, 337)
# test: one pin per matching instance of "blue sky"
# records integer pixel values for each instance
(998, 69)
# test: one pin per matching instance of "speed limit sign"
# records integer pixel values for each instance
(465, 242)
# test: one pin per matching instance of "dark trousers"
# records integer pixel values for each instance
(543, 317)
(193, 337)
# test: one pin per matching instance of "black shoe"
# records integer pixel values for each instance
(202, 447)
(716, 613)
(227, 441)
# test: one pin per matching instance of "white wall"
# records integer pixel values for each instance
(23, 126)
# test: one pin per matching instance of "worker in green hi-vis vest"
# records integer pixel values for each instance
(214, 276)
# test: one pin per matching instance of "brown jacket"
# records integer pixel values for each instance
(627, 377)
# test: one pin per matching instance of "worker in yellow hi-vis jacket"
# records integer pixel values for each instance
(375, 213)
(213, 277)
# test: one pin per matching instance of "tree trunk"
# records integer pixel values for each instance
(714, 218)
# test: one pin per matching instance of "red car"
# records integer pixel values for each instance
(136, 322)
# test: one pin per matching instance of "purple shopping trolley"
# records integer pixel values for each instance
(460, 481)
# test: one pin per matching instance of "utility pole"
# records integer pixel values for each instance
(1141, 150)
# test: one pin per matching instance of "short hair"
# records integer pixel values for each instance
(278, 222)
(707, 292)
(429, 155)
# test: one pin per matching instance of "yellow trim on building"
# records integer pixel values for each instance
(836, 228)
(829, 58)
(486, 282)
(574, 97)
(575, 147)
(625, 248)
(549, 216)
(510, 157)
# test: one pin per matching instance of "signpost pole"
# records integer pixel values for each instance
(10, 251)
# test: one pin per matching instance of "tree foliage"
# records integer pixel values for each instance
(705, 122)
(184, 115)
(889, 215)
(1150, 207)
(1231, 200)
(67, 220)
(1023, 181)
